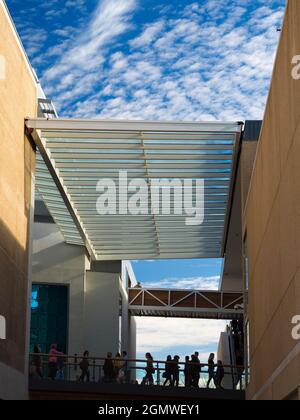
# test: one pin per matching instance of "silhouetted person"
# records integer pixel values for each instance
(117, 365)
(37, 361)
(108, 368)
(53, 357)
(220, 373)
(168, 371)
(195, 371)
(187, 372)
(175, 371)
(198, 360)
(198, 365)
(149, 370)
(84, 366)
(211, 369)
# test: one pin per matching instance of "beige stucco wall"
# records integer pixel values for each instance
(248, 153)
(272, 220)
(18, 94)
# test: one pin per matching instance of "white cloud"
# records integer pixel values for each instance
(203, 64)
(206, 60)
(168, 335)
(149, 35)
(162, 336)
(84, 56)
(34, 43)
(191, 283)
(209, 60)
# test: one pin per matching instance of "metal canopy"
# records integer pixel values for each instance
(79, 153)
(53, 200)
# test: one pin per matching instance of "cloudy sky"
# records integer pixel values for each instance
(166, 60)
(175, 336)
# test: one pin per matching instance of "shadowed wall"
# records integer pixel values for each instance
(18, 94)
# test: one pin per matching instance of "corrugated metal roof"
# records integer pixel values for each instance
(79, 153)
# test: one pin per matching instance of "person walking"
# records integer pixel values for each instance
(211, 369)
(148, 378)
(198, 370)
(84, 366)
(175, 379)
(117, 365)
(195, 371)
(220, 373)
(53, 357)
(108, 368)
(168, 371)
(187, 372)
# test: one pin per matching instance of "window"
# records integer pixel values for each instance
(49, 316)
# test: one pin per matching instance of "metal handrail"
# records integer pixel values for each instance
(71, 364)
(80, 357)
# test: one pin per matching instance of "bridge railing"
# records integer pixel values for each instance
(69, 368)
(187, 303)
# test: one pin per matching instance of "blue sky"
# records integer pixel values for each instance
(153, 60)
(166, 60)
(179, 273)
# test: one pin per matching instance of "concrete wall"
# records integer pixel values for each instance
(272, 220)
(93, 293)
(18, 92)
(102, 313)
(225, 356)
(232, 277)
(248, 153)
(105, 283)
(56, 262)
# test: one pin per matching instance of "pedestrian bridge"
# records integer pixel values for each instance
(186, 303)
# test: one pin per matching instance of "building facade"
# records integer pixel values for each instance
(93, 314)
(82, 304)
(18, 98)
(272, 230)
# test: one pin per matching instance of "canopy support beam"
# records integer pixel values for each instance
(34, 135)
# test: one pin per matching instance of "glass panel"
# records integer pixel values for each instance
(49, 317)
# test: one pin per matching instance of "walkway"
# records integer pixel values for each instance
(186, 303)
